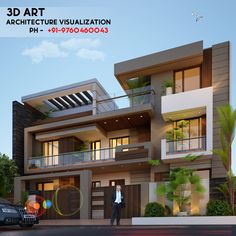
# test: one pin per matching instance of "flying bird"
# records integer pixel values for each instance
(197, 16)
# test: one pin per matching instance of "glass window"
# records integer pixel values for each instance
(51, 152)
(179, 82)
(115, 142)
(187, 79)
(96, 150)
(193, 132)
(45, 186)
(96, 184)
(192, 79)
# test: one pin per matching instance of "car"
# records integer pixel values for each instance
(11, 214)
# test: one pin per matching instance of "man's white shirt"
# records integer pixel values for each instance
(118, 197)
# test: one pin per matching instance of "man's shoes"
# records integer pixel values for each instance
(118, 224)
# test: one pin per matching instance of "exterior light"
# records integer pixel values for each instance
(116, 120)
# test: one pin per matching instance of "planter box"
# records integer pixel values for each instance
(185, 220)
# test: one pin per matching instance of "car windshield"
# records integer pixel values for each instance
(4, 201)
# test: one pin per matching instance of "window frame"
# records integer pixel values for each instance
(116, 138)
(94, 184)
(200, 129)
(43, 183)
(182, 70)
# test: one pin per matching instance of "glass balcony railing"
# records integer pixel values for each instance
(72, 158)
(132, 98)
(130, 151)
(186, 145)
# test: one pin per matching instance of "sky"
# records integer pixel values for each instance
(138, 28)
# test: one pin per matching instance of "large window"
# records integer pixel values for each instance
(96, 184)
(47, 186)
(96, 152)
(51, 151)
(193, 134)
(187, 79)
(115, 142)
(117, 182)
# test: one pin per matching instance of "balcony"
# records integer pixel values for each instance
(187, 104)
(121, 153)
(172, 151)
(133, 98)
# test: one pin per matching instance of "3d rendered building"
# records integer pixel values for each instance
(78, 135)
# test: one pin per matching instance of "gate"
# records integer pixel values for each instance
(66, 204)
(102, 204)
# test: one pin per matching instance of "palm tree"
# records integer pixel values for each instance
(227, 120)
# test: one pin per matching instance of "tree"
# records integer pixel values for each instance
(8, 170)
(227, 121)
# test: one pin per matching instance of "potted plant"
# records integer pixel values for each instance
(182, 184)
(167, 87)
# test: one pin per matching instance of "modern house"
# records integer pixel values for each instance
(78, 135)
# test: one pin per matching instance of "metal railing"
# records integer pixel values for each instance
(132, 98)
(186, 144)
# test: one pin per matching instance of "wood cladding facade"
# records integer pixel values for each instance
(221, 95)
(132, 154)
(132, 196)
(69, 144)
(207, 68)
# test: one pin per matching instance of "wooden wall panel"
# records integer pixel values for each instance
(207, 68)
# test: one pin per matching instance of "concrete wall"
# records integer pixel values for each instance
(221, 96)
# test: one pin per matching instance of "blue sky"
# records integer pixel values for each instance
(138, 28)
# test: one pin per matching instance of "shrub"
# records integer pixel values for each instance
(153, 209)
(218, 208)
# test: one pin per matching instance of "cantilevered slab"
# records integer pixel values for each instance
(83, 133)
(175, 58)
(66, 99)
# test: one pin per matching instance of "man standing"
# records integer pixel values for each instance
(117, 204)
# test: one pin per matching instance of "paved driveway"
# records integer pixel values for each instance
(118, 230)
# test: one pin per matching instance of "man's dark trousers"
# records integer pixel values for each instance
(116, 209)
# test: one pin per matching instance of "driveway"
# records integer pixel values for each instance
(118, 230)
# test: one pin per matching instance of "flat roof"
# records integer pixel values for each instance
(63, 89)
(157, 62)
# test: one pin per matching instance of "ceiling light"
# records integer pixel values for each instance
(128, 118)
(116, 120)
(104, 122)
(141, 116)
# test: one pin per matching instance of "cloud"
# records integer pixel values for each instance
(89, 54)
(45, 49)
(83, 48)
(75, 44)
